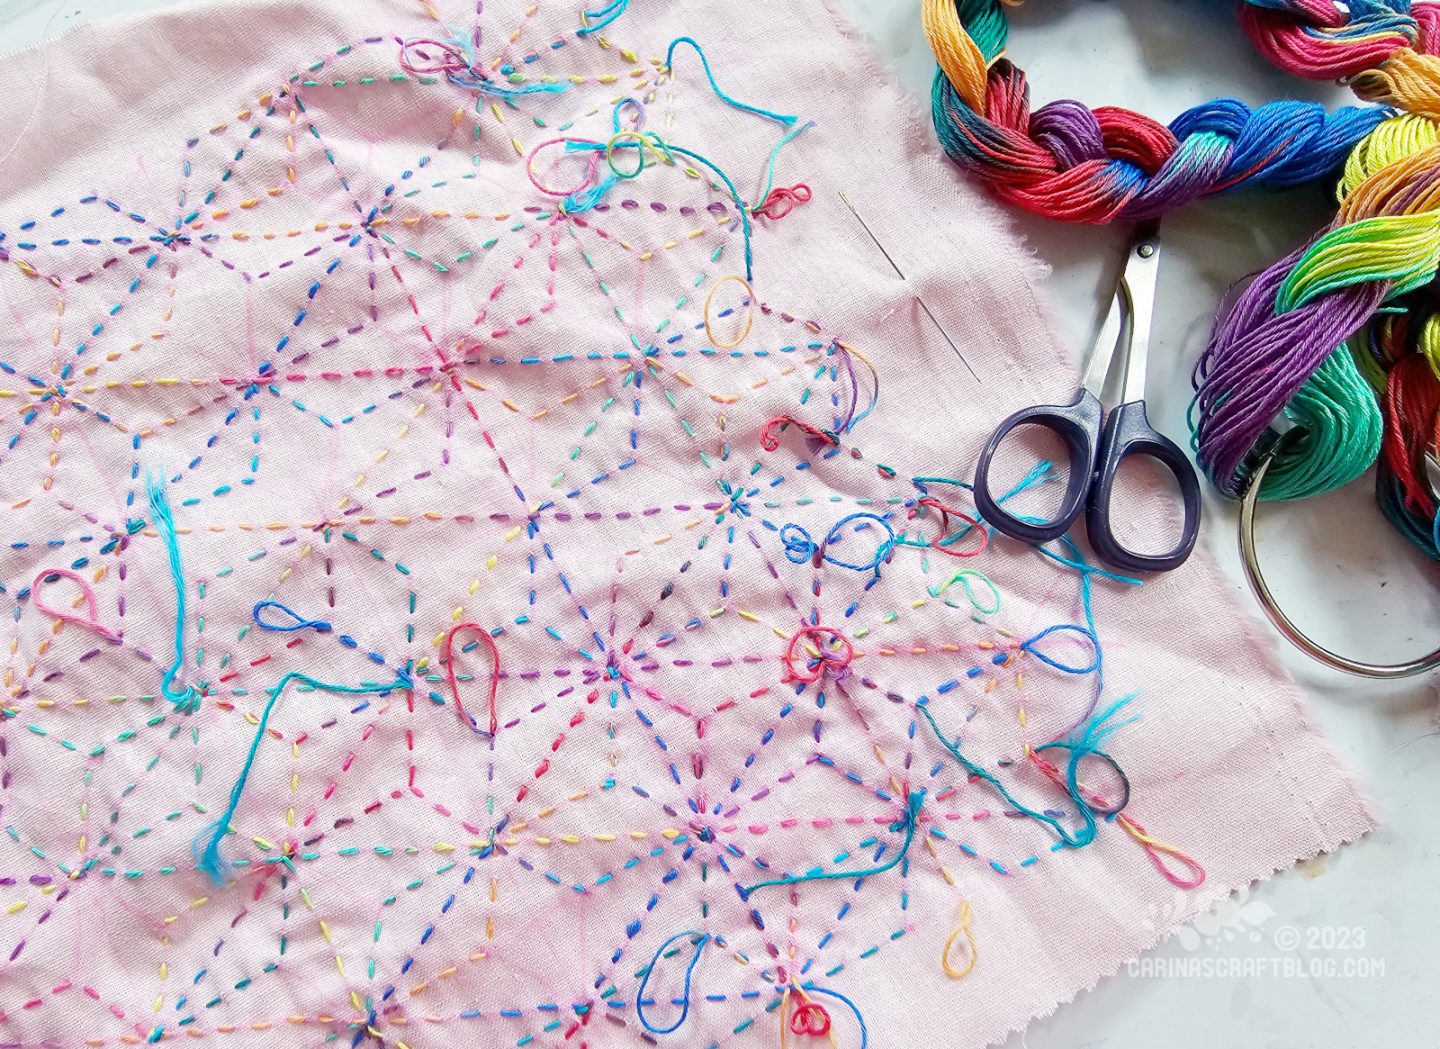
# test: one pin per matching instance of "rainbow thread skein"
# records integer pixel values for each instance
(1069, 162)
(1315, 338)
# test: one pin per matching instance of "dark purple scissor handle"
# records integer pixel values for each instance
(1078, 425)
(1128, 433)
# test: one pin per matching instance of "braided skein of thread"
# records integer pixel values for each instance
(1069, 162)
(1378, 46)
(1382, 49)
(1286, 345)
(1283, 347)
(1403, 482)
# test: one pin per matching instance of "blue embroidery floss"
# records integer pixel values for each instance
(606, 14)
(799, 547)
(299, 621)
(623, 138)
(186, 701)
(459, 61)
(704, 938)
(208, 858)
(1088, 746)
(788, 120)
(908, 822)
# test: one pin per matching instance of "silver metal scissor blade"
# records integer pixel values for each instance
(1135, 297)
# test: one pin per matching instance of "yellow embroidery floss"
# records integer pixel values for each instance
(749, 311)
(962, 928)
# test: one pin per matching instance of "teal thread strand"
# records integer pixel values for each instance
(606, 14)
(209, 859)
(1075, 841)
(186, 701)
(908, 821)
(787, 120)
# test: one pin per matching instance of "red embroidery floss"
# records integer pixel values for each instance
(828, 659)
(945, 512)
(770, 442)
(447, 654)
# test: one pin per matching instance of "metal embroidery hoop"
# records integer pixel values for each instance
(1297, 637)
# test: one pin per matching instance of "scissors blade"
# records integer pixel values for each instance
(1139, 281)
(1102, 351)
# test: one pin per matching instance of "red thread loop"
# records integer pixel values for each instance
(447, 655)
(782, 200)
(945, 511)
(810, 1018)
(828, 657)
(770, 442)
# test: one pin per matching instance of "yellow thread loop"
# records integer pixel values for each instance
(962, 928)
(749, 311)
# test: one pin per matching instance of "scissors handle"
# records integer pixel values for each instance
(1128, 433)
(1078, 425)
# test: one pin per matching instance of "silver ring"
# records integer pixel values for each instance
(1282, 622)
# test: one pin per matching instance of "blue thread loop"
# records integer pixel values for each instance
(811, 988)
(1030, 644)
(186, 700)
(799, 547)
(689, 972)
(208, 858)
(907, 822)
(299, 621)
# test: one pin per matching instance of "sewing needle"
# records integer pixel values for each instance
(918, 300)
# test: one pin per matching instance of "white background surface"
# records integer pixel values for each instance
(1333, 561)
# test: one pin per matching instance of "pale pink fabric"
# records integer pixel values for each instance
(401, 468)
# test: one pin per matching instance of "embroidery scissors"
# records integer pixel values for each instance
(1096, 454)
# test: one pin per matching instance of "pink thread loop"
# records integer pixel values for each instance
(591, 166)
(92, 623)
(781, 202)
(1159, 854)
(828, 659)
(451, 60)
(810, 1018)
(945, 512)
(448, 656)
